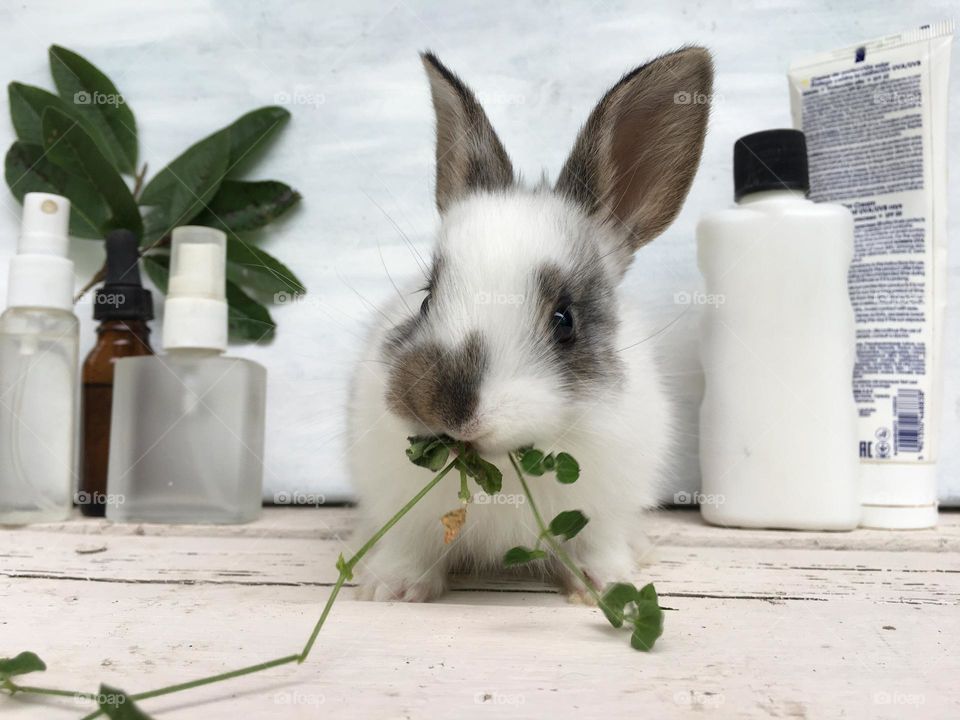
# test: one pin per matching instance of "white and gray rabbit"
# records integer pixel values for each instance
(521, 336)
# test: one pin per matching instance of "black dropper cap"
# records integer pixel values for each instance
(770, 160)
(123, 296)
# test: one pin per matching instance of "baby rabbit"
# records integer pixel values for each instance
(521, 336)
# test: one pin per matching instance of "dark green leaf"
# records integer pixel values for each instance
(250, 266)
(97, 100)
(240, 205)
(614, 599)
(27, 104)
(117, 705)
(531, 461)
(568, 523)
(249, 320)
(568, 469)
(21, 664)
(248, 132)
(67, 144)
(27, 169)
(521, 555)
(647, 625)
(156, 224)
(649, 592)
(486, 474)
(157, 266)
(428, 452)
(184, 187)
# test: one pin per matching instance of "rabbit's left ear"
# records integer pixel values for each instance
(636, 157)
(469, 153)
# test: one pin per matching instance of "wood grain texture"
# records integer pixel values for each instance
(760, 625)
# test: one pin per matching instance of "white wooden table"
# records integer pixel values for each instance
(760, 624)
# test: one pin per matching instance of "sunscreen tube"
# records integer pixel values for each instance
(875, 119)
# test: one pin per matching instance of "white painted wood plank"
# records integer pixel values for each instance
(457, 659)
(774, 573)
(672, 526)
(758, 628)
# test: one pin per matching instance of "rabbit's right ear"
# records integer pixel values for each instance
(636, 157)
(469, 153)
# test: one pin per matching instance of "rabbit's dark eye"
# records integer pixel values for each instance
(425, 306)
(563, 324)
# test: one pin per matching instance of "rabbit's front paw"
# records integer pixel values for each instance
(401, 589)
(387, 579)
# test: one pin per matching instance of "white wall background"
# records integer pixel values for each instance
(360, 145)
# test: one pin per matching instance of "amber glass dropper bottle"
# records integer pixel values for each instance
(123, 307)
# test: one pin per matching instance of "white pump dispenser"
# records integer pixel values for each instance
(186, 441)
(195, 313)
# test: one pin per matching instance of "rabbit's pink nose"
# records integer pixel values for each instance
(470, 431)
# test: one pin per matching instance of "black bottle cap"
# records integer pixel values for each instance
(123, 296)
(770, 160)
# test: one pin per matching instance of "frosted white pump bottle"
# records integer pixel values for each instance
(186, 440)
(38, 369)
(778, 423)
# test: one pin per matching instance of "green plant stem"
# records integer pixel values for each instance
(13, 688)
(138, 182)
(286, 660)
(347, 571)
(545, 535)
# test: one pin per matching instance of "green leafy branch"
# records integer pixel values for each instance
(622, 603)
(82, 141)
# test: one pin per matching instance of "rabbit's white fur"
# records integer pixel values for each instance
(492, 243)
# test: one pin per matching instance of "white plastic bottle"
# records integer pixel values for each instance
(187, 432)
(39, 336)
(778, 422)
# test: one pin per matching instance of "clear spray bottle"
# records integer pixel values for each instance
(39, 339)
(186, 439)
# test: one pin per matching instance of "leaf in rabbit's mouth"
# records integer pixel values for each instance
(434, 451)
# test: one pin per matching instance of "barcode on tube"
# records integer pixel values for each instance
(908, 423)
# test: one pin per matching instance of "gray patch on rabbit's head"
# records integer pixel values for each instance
(590, 360)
